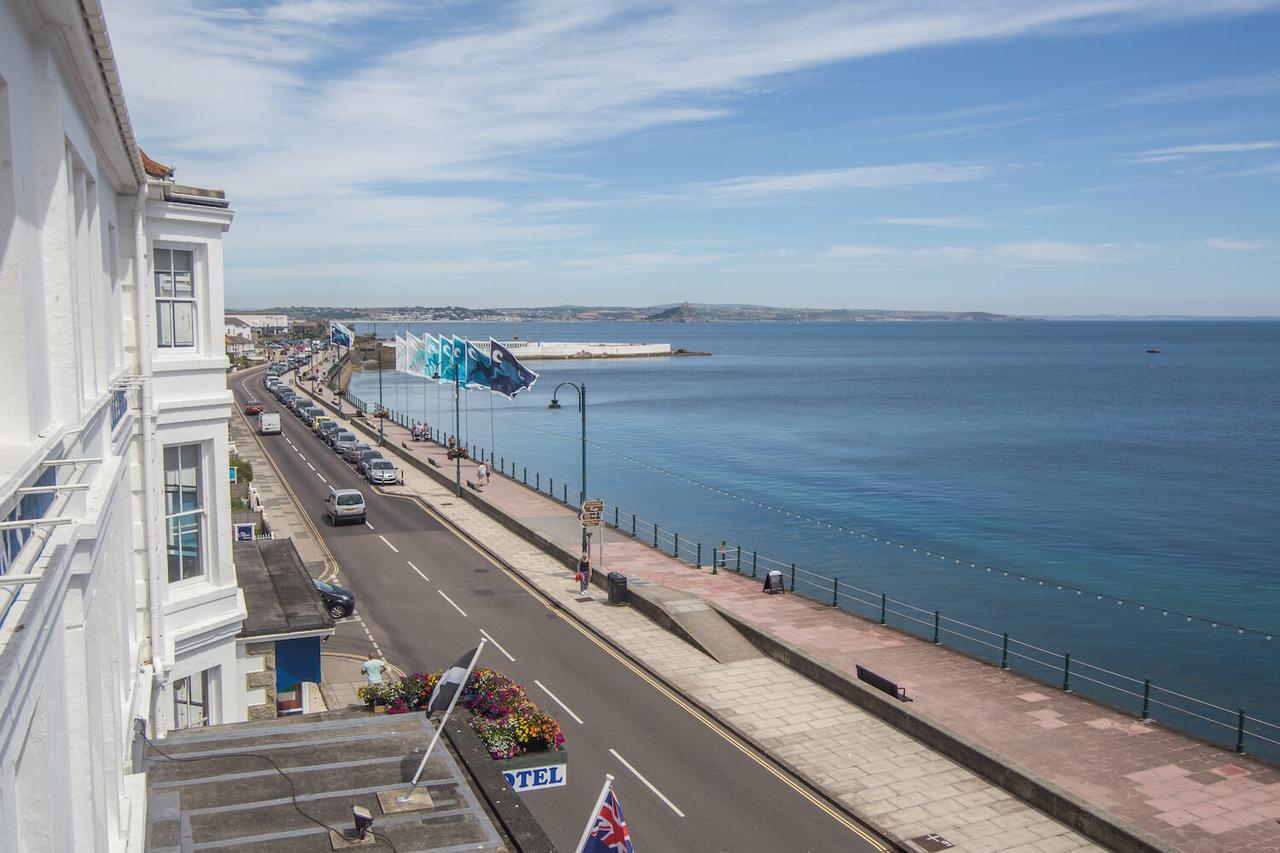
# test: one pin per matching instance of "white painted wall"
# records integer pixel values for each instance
(78, 644)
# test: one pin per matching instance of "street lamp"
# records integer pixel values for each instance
(382, 413)
(581, 407)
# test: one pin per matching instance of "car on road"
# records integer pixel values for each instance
(340, 439)
(270, 381)
(381, 472)
(252, 407)
(344, 505)
(310, 414)
(322, 426)
(367, 457)
(339, 601)
(352, 453)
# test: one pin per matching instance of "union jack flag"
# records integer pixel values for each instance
(609, 832)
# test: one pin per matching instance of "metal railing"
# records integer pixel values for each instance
(1139, 696)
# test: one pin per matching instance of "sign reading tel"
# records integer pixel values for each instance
(534, 778)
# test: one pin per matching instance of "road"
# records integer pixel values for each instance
(426, 596)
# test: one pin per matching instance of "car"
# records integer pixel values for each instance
(252, 407)
(270, 381)
(352, 453)
(365, 458)
(339, 601)
(344, 505)
(340, 439)
(322, 425)
(381, 472)
(311, 414)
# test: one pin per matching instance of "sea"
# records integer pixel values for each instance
(1057, 481)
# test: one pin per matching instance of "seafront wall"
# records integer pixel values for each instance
(535, 350)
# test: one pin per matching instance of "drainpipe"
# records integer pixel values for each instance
(145, 332)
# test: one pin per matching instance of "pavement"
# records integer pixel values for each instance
(1181, 792)
(426, 595)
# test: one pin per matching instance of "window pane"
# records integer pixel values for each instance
(184, 324)
(181, 261)
(161, 258)
(164, 324)
(182, 288)
(164, 284)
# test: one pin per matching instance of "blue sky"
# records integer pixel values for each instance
(1082, 157)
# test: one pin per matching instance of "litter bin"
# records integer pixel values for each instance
(617, 588)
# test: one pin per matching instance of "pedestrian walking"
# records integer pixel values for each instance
(372, 669)
(584, 573)
(482, 475)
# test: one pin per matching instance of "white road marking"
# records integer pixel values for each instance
(369, 634)
(368, 525)
(286, 438)
(556, 698)
(647, 783)
(418, 570)
(498, 645)
(304, 459)
(389, 545)
(312, 467)
(321, 476)
(451, 601)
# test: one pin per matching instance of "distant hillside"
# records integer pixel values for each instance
(684, 312)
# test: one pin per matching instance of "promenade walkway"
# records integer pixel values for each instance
(1181, 793)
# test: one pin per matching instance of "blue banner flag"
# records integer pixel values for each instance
(340, 334)
(479, 368)
(510, 377)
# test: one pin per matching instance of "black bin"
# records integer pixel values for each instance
(617, 588)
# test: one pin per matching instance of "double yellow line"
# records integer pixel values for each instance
(780, 773)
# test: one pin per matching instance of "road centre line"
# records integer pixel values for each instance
(498, 645)
(418, 570)
(321, 476)
(388, 544)
(303, 458)
(312, 467)
(451, 601)
(556, 698)
(647, 783)
(370, 526)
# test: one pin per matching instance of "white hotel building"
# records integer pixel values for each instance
(118, 596)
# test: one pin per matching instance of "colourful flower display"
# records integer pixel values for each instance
(503, 716)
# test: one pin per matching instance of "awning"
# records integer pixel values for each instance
(297, 661)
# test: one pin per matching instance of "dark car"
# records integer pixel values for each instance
(353, 453)
(365, 458)
(338, 601)
(252, 407)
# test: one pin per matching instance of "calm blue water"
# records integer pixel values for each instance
(1060, 449)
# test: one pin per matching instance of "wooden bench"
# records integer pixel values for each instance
(433, 462)
(883, 684)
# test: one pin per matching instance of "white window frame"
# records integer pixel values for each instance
(184, 699)
(182, 519)
(171, 295)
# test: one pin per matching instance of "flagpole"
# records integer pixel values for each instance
(595, 812)
(440, 726)
(457, 421)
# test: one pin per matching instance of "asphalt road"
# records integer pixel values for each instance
(427, 596)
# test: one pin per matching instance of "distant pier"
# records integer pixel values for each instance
(548, 350)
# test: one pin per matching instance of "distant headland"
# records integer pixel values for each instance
(683, 312)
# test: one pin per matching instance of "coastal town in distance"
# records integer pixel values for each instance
(824, 426)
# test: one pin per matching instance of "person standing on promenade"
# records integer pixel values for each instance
(482, 476)
(584, 572)
(372, 669)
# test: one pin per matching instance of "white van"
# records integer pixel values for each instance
(269, 423)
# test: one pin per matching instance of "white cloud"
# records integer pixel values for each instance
(1227, 244)
(1030, 253)
(635, 261)
(1182, 152)
(858, 177)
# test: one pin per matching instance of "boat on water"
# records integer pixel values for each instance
(1153, 349)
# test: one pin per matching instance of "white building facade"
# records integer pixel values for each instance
(118, 600)
(267, 324)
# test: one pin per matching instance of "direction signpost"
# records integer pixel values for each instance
(592, 515)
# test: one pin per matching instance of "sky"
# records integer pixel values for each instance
(1038, 158)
